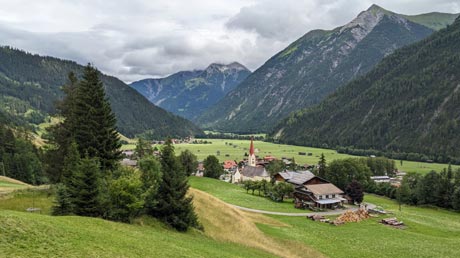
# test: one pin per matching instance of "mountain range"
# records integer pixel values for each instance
(30, 86)
(315, 66)
(189, 93)
(409, 103)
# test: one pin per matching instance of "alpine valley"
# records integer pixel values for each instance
(189, 93)
(315, 66)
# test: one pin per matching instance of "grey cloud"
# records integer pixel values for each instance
(137, 39)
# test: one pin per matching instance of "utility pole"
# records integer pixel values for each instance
(3, 168)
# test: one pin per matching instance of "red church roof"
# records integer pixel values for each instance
(251, 147)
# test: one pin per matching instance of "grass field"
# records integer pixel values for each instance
(236, 195)
(228, 233)
(429, 233)
(8, 184)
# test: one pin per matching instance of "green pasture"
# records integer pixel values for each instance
(235, 194)
(429, 233)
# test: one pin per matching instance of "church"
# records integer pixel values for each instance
(251, 171)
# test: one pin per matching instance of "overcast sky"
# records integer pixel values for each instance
(138, 39)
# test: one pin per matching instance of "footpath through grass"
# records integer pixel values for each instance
(235, 194)
(429, 233)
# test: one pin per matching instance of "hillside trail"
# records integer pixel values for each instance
(324, 213)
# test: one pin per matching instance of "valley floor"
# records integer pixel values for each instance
(235, 150)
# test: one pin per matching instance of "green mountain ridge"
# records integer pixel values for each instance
(408, 103)
(313, 67)
(30, 86)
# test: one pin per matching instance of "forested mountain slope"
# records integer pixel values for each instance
(189, 93)
(314, 66)
(30, 86)
(409, 103)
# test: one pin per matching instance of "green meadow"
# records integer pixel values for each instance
(430, 232)
(235, 194)
(235, 150)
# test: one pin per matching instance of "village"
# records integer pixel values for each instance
(307, 190)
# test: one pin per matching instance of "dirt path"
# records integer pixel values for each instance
(324, 213)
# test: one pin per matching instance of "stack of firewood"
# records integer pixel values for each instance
(352, 216)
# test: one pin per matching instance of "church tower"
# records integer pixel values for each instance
(252, 155)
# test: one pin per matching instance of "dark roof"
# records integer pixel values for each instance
(249, 171)
(297, 177)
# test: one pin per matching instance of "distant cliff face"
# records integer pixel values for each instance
(313, 67)
(189, 93)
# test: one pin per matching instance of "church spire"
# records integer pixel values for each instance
(251, 147)
(252, 156)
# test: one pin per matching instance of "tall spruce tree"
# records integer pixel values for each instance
(84, 190)
(95, 125)
(174, 207)
(322, 166)
(60, 136)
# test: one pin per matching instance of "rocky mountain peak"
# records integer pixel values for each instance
(232, 67)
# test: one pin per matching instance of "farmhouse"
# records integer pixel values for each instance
(312, 191)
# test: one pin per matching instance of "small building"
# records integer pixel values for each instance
(229, 165)
(129, 162)
(200, 169)
(381, 179)
(236, 177)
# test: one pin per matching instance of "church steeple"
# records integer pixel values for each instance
(252, 156)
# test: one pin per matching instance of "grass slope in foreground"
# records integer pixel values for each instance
(229, 232)
(429, 233)
(237, 195)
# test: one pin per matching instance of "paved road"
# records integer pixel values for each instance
(324, 213)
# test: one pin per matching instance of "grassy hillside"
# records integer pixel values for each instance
(283, 150)
(236, 195)
(433, 20)
(429, 233)
(8, 184)
(37, 235)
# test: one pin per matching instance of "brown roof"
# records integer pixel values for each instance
(321, 189)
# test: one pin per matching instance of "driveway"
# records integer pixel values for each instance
(324, 213)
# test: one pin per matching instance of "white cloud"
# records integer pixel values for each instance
(141, 38)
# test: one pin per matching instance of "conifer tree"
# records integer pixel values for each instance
(150, 177)
(85, 188)
(322, 166)
(174, 207)
(63, 202)
(95, 125)
(60, 136)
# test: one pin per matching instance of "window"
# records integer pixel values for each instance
(320, 197)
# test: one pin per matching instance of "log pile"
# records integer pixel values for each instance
(392, 222)
(352, 216)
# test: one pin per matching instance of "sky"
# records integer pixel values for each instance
(139, 39)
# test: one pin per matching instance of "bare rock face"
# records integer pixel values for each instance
(311, 68)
